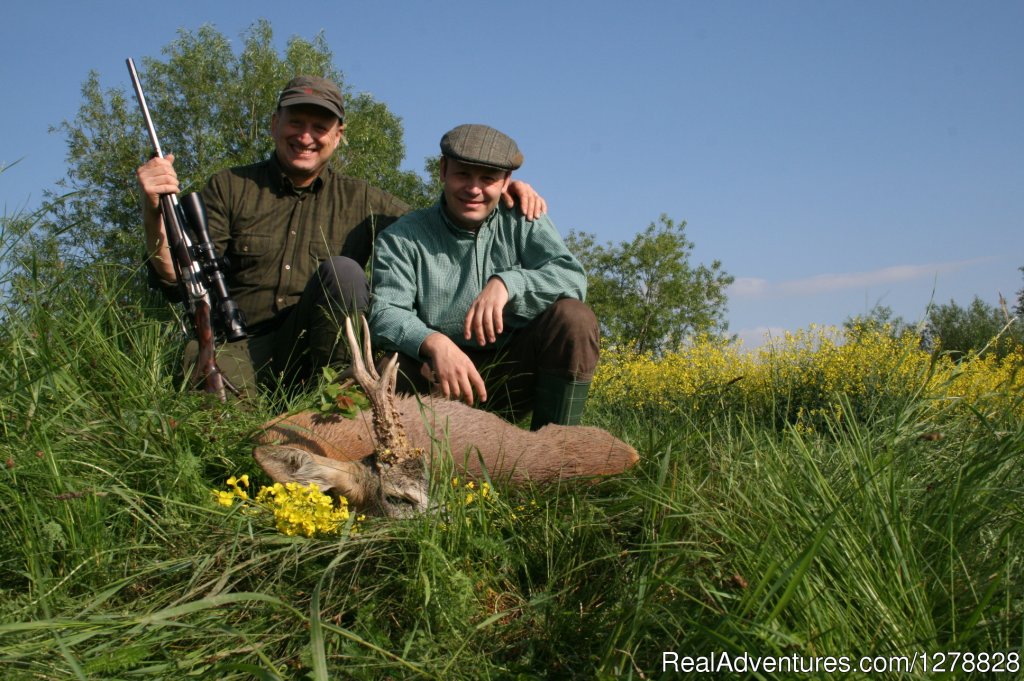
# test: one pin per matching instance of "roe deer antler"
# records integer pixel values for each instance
(402, 470)
(392, 443)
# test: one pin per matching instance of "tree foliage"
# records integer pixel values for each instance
(646, 291)
(1019, 309)
(880, 319)
(979, 327)
(211, 107)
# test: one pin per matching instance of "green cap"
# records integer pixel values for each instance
(313, 90)
(481, 145)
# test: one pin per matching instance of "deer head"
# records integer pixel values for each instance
(393, 480)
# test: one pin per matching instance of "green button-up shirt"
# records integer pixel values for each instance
(427, 271)
(275, 235)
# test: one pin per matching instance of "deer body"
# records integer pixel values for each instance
(476, 440)
(353, 457)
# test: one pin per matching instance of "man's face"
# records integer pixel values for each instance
(471, 192)
(305, 136)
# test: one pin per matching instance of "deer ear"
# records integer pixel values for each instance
(350, 479)
(282, 463)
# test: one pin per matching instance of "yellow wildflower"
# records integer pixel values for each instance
(296, 509)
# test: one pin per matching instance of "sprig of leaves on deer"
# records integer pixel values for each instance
(382, 466)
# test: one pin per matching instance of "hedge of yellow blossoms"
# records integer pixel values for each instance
(808, 372)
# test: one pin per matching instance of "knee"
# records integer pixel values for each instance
(340, 270)
(573, 318)
(572, 340)
(345, 281)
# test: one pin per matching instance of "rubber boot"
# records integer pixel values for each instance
(558, 400)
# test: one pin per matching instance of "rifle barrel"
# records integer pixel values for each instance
(145, 109)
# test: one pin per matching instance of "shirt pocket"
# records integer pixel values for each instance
(253, 257)
(319, 250)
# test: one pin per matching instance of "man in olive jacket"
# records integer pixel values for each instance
(482, 302)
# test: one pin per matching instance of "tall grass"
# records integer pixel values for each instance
(870, 533)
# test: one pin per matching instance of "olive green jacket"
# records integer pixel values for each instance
(272, 235)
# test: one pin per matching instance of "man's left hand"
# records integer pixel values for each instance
(484, 319)
(531, 204)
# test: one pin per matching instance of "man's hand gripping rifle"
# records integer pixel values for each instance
(200, 278)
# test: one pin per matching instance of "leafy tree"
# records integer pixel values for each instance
(11, 229)
(23, 255)
(211, 108)
(976, 328)
(1019, 309)
(646, 292)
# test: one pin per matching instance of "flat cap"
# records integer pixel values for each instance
(481, 145)
(313, 90)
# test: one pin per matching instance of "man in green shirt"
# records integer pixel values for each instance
(296, 236)
(484, 304)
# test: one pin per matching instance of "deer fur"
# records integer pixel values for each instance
(345, 458)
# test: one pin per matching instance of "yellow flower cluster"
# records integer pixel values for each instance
(983, 381)
(803, 375)
(471, 503)
(296, 509)
(524, 509)
(228, 497)
(303, 509)
(470, 494)
(645, 381)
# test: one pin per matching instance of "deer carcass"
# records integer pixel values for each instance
(380, 464)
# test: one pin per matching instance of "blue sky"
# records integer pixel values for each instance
(833, 155)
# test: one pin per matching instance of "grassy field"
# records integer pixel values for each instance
(804, 506)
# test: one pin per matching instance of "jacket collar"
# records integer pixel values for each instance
(459, 230)
(283, 184)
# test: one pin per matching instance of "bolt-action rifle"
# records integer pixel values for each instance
(200, 279)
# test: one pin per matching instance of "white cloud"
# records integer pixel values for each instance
(748, 287)
(754, 288)
(756, 337)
